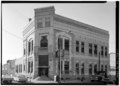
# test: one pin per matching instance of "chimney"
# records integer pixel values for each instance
(30, 19)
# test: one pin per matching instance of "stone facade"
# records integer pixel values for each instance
(41, 39)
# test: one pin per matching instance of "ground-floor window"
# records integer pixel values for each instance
(90, 69)
(95, 69)
(66, 67)
(82, 69)
(77, 68)
(101, 67)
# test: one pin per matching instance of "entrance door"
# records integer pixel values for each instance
(43, 65)
(43, 71)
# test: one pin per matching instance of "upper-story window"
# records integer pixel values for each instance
(106, 51)
(82, 47)
(60, 43)
(77, 46)
(95, 49)
(39, 23)
(44, 41)
(90, 48)
(66, 44)
(47, 22)
(102, 51)
(30, 46)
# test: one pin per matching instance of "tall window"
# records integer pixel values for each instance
(106, 51)
(24, 67)
(24, 51)
(77, 68)
(28, 67)
(66, 67)
(28, 48)
(82, 47)
(90, 69)
(60, 43)
(95, 69)
(106, 69)
(31, 66)
(32, 45)
(101, 67)
(90, 48)
(47, 22)
(39, 23)
(95, 49)
(102, 51)
(66, 44)
(44, 41)
(82, 69)
(17, 68)
(77, 46)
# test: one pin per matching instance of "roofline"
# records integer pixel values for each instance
(84, 25)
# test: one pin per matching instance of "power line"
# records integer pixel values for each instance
(12, 34)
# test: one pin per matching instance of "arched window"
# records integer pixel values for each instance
(82, 69)
(90, 69)
(77, 68)
(44, 41)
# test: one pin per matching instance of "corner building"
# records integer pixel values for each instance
(80, 45)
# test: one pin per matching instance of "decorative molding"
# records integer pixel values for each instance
(75, 23)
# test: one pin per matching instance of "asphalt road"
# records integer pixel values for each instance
(30, 83)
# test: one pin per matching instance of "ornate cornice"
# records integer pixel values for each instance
(80, 25)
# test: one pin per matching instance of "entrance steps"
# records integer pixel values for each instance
(43, 78)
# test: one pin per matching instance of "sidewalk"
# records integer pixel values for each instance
(41, 81)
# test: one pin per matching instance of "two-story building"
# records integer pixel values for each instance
(80, 46)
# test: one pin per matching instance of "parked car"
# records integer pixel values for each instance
(7, 79)
(20, 78)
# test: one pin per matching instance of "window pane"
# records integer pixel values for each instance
(39, 23)
(77, 46)
(44, 41)
(66, 44)
(47, 22)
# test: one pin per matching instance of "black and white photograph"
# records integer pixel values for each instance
(59, 43)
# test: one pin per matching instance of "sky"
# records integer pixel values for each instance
(15, 18)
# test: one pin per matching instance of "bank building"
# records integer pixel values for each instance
(57, 45)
